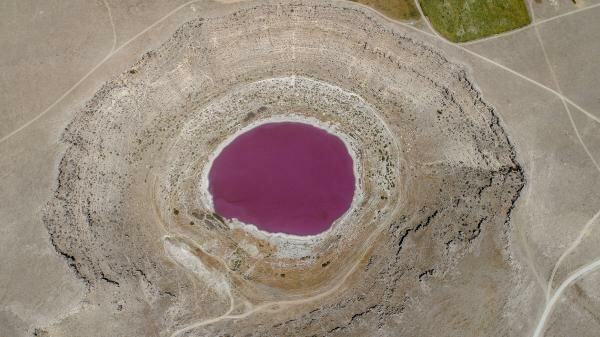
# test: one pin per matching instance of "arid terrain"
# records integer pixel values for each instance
(476, 206)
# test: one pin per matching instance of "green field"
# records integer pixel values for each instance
(465, 20)
(395, 9)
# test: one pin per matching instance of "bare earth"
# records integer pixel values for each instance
(477, 211)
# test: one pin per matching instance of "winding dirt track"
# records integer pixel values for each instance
(279, 305)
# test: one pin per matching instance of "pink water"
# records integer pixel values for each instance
(283, 177)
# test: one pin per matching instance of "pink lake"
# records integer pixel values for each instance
(283, 177)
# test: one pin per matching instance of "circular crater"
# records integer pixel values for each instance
(435, 178)
(285, 177)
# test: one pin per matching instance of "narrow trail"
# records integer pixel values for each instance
(429, 25)
(586, 227)
(531, 25)
(208, 321)
(564, 102)
(581, 272)
(552, 300)
(112, 24)
(539, 330)
(177, 9)
(594, 265)
(585, 231)
(102, 62)
(280, 305)
(501, 66)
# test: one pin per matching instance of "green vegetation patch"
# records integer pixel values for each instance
(395, 9)
(466, 20)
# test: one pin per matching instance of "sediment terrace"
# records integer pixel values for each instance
(436, 180)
